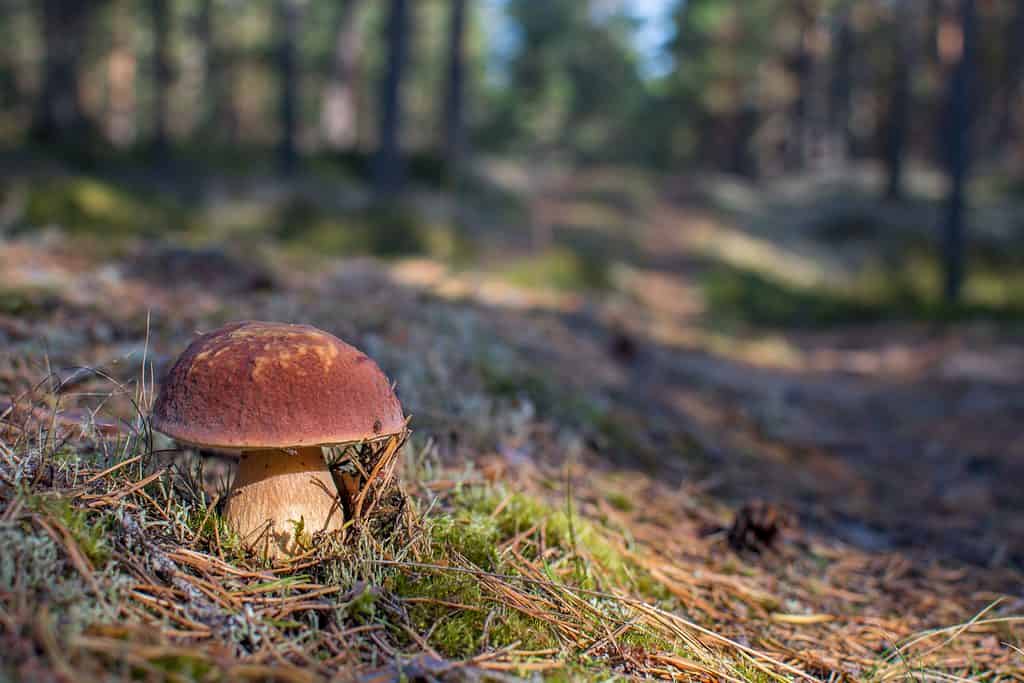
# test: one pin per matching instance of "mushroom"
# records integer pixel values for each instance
(274, 393)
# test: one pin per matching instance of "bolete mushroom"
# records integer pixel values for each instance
(274, 393)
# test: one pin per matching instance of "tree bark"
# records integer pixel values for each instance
(1013, 74)
(841, 90)
(388, 167)
(288, 75)
(338, 114)
(802, 65)
(454, 124)
(959, 150)
(58, 118)
(898, 115)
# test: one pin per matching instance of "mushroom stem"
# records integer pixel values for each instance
(273, 491)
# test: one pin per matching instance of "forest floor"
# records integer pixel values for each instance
(669, 431)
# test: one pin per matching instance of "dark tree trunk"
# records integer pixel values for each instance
(338, 115)
(841, 90)
(958, 135)
(221, 119)
(1013, 74)
(802, 66)
(212, 82)
(287, 65)
(742, 127)
(9, 94)
(388, 167)
(161, 77)
(454, 124)
(58, 118)
(898, 115)
(935, 12)
(120, 115)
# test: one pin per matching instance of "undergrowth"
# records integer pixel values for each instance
(117, 564)
(87, 544)
(911, 293)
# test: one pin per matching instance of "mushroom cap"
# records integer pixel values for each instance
(254, 385)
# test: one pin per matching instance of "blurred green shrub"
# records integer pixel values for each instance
(563, 269)
(908, 291)
(83, 205)
(384, 231)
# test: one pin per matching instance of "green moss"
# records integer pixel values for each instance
(213, 531)
(89, 529)
(619, 501)
(563, 269)
(182, 667)
(363, 607)
(471, 534)
(575, 536)
(452, 606)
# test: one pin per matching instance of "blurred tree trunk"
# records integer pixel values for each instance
(841, 90)
(743, 160)
(58, 118)
(338, 112)
(1013, 75)
(898, 114)
(454, 114)
(160, 16)
(802, 66)
(122, 66)
(9, 93)
(958, 48)
(388, 167)
(288, 79)
(213, 81)
(935, 11)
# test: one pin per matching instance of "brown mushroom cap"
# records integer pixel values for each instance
(254, 385)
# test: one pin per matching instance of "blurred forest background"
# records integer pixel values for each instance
(911, 106)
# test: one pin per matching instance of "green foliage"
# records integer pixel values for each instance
(363, 607)
(26, 301)
(619, 501)
(756, 298)
(575, 80)
(384, 231)
(88, 205)
(907, 292)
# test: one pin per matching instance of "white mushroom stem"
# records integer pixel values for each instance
(273, 491)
